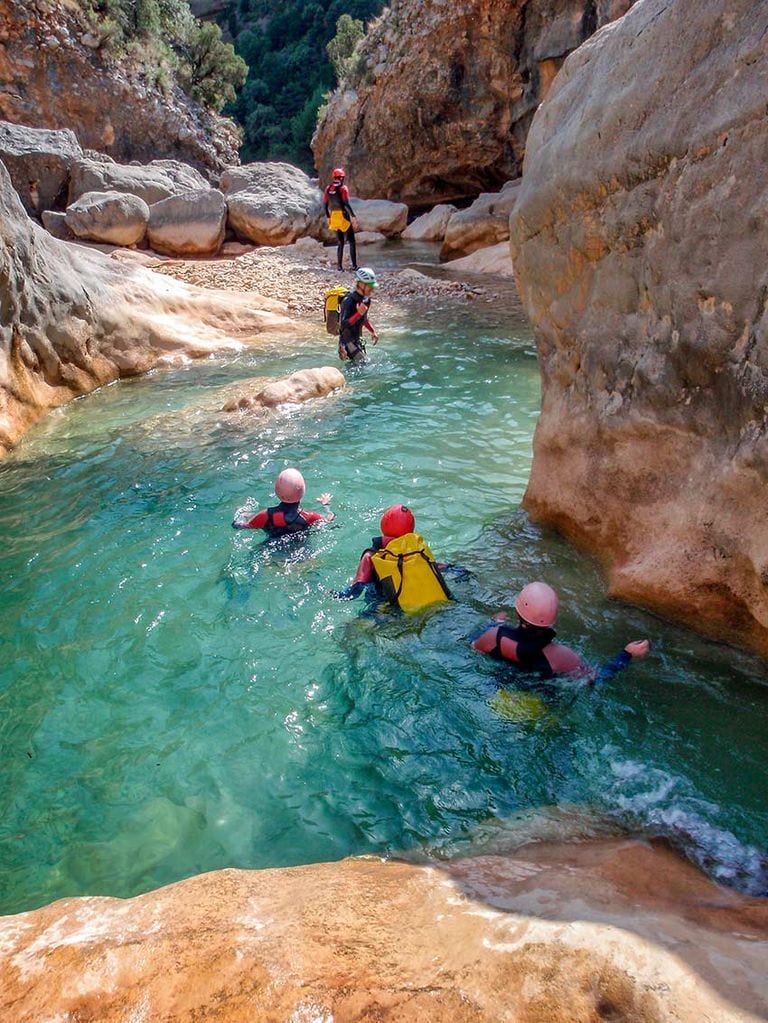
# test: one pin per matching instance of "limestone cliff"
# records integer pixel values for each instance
(640, 244)
(556, 934)
(72, 319)
(441, 101)
(54, 74)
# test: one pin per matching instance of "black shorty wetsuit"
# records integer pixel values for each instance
(530, 644)
(337, 198)
(350, 334)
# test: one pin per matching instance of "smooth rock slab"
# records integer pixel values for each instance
(554, 934)
(294, 389)
(108, 217)
(381, 215)
(38, 160)
(484, 223)
(430, 227)
(191, 224)
(495, 259)
(151, 182)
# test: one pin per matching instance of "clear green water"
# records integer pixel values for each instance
(176, 696)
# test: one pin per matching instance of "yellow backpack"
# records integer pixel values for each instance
(332, 308)
(408, 574)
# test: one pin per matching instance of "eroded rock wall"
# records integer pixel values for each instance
(50, 79)
(640, 245)
(440, 106)
(72, 319)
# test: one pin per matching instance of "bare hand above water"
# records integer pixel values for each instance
(638, 648)
(324, 499)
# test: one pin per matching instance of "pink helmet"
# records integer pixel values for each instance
(397, 521)
(537, 604)
(290, 486)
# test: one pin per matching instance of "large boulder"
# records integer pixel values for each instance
(589, 932)
(484, 223)
(271, 203)
(495, 259)
(441, 96)
(191, 224)
(387, 218)
(73, 319)
(430, 227)
(38, 161)
(640, 243)
(108, 217)
(151, 182)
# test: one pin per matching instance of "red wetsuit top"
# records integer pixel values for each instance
(283, 520)
(337, 197)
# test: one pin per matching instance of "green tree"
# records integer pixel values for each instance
(211, 71)
(341, 49)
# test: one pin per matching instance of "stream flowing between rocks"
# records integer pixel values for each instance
(177, 697)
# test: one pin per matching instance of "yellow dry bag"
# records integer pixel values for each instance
(332, 308)
(408, 574)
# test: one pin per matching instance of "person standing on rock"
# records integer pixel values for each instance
(288, 517)
(528, 645)
(353, 313)
(341, 217)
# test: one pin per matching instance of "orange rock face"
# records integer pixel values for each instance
(639, 245)
(558, 934)
(49, 78)
(440, 105)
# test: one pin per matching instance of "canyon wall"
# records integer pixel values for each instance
(55, 74)
(640, 244)
(443, 92)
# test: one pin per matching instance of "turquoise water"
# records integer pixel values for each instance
(178, 697)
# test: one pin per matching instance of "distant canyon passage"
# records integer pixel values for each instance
(640, 243)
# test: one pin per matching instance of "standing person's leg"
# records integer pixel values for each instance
(340, 249)
(352, 247)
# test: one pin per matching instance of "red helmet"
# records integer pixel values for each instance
(537, 604)
(338, 172)
(397, 521)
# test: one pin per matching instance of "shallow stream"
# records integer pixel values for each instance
(177, 696)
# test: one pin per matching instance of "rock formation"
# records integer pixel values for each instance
(109, 217)
(484, 223)
(271, 203)
(152, 182)
(190, 224)
(39, 161)
(51, 78)
(72, 319)
(640, 243)
(556, 934)
(299, 387)
(440, 105)
(430, 227)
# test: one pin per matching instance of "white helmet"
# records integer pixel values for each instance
(366, 276)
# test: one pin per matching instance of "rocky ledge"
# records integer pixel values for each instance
(611, 930)
(639, 244)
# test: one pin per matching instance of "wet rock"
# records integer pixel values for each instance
(74, 319)
(387, 218)
(639, 243)
(188, 225)
(553, 934)
(370, 238)
(495, 259)
(151, 182)
(484, 223)
(291, 390)
(38, 161)
(270, 203)
(108, 217)
(430, 227)
(441, 102)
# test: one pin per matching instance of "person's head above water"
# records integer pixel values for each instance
(290, 486)
(397, 521)
(537, 604)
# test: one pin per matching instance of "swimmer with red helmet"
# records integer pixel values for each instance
(529, 644)
(288, 517)
(341, 216)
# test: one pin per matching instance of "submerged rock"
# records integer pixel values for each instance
(73, 319)
(640, 248)
(609, 930)
(38, 161)
(294, 389)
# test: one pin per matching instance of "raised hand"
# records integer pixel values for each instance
(638, 648)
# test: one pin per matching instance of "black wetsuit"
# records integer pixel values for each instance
(531, 641)
(337, 198)
(350, 334)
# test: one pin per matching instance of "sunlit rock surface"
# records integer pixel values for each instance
(72, 319)
(584, 933)
(443, 93)
(640, 244)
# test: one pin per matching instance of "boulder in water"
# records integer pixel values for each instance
(293, 389)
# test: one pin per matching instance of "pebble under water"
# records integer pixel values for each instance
(177, 696)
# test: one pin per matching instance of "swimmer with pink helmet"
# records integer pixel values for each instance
(529, 644)
(288, 517)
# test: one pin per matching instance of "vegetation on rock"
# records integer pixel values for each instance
(295, 50)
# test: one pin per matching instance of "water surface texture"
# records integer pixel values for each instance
(177, 697)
